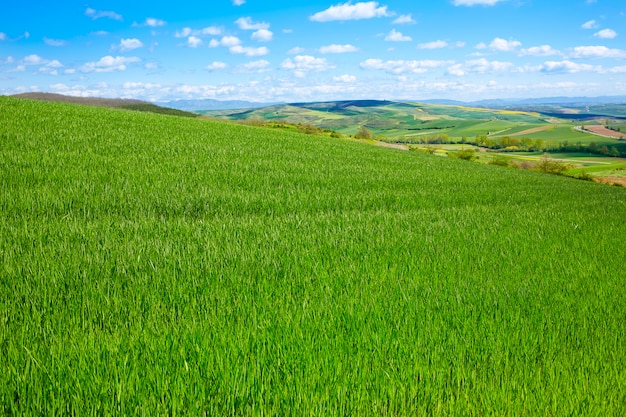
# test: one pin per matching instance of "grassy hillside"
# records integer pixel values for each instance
(160, 265)
(128, 104)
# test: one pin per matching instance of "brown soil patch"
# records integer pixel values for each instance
(611, 180)
(530, 131)
(392, 145)
(601, 130)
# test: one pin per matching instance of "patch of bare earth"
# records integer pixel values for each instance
(531, 131)
(611, 180)
(601, 130)
(392, 145)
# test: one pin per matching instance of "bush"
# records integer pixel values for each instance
(465, 154)
(551, 166)
(500, 161)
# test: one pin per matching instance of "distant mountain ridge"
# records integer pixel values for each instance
(210, 104)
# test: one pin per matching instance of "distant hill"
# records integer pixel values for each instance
(209, 104)
(121, 103)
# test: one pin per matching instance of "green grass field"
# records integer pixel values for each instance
(155, 265)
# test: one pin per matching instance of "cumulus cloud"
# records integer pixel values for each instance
(227, 41)
(194, 42)
(246, 23)
(502, 45)
(217, 66)
(262, 35)
(338, 49)
(395, 36)
(3, 36)
(249, 51)
(296, 51)
(345, 78)
(476, 2)
(239, 2)
(151, 22)
(597, 52)
(433, 45)
(98, 14)
(398, 67)
(51, 68)
(302, 64)
(130, 44)
(543, 50)
(207, 31)
(606, 34)
(349, 11)
(255, 67)
(479, 66)
(568, 67)
(109, 64)
(590, 24)
(55, 42)
(34, 60)
(404, 19)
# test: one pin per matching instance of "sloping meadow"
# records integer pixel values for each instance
(160, 265)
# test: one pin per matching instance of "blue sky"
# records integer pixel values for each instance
(268, 51)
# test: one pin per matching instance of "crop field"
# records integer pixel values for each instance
(152, 264)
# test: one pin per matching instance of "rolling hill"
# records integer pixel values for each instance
(175, 266)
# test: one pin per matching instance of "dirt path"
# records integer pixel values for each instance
(602, 131)
(392, 145)
(531, 131)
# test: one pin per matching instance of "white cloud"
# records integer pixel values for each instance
(207, 31)
(217, 66)
(249, 51)
(302, 64)
(433, 45)
(151, 66)
(598, 52)
(55, 42)
(590, 24)
(606, 34)
(568, 67)
(51, 68)
(211, 31)
(98, 14)
(404, 20)
(239, 2)
(33, 60)
(246, 23)
(183, 33)
(338, 49)
(230, 41)
(345, 78)
(479, 66)
(130, 44)
(395, 36)
(402, 66)
(476, 2)
(618, 70)
(255, 67)
(262, 35)
(543, 50)
(502, 45)
(296, 51)
(194, 42)
(109, 64)
(151, 22)
(3, 36)
(349, 11)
